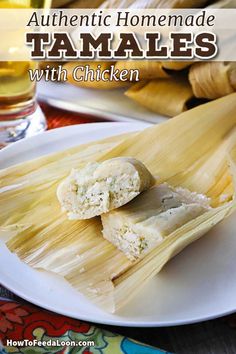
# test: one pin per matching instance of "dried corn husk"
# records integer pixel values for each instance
(93, 65)
(213, 80)
(189, 151)
(164, 96)
(148, 69)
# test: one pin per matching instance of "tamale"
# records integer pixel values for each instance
(148, 69)
(164, 96)
(107, 85)
(139, 226)
(213, 79)
(100, 187)
(190, 151)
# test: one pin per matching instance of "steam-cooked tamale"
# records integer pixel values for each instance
(164, 96)
(213, 79)
(139, 226)
(100, 187)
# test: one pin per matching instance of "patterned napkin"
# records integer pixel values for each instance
(27, 329)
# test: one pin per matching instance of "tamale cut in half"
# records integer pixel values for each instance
(196, 151)
(139, 226)
(100, 187)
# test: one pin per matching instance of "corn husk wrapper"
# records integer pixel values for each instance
(164, 96)
(192, 150)
(213, 79)
(103, 85)
(148, 69)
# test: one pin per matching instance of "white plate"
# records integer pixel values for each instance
(103, 104)
(198, 284)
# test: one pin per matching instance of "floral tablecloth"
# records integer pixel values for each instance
(28, 329)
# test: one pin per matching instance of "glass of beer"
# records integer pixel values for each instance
(20, 116)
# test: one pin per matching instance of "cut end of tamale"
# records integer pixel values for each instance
(139, 226)
(100, 187)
